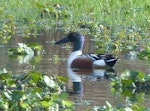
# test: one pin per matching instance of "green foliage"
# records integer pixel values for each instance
(55, 59)
(144, 54)
(113, 24)
(23, 49)
(131, 79)
(131, 107)
(32, 90)
(36, 47)
(7, 30)
(131, 84)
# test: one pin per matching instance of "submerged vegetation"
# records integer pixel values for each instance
(114, 26)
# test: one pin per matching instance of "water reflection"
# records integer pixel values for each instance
(77, 76)
(93, 84)
(76, 82)
(24, 59)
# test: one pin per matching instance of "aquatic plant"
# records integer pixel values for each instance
(23, 49)
(131, 84)
(113, 25)
(33, 91)
(144, 54)
(36, 47)
(7, 30)
(129, 107)
(131, 79)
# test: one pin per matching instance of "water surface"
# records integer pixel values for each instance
(95, 86)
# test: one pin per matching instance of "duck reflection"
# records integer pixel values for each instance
(76, 82)
(78, 76)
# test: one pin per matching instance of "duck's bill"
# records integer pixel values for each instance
(65, 40)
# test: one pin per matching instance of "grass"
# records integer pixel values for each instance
(116, 12)
(119, 23)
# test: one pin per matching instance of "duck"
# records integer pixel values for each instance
(78, 60)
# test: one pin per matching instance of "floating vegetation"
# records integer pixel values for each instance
(132, 79)
(33, 90)
(23, 49)
(24, 53)
(145, 54)
(129, 107)
(114, 26)
(7, 30)
(36, 47)
(133, 85)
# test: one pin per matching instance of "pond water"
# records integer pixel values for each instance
(94, 85)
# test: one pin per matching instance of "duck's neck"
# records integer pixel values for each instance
(78, 46)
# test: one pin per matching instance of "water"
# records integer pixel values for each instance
(94, 87)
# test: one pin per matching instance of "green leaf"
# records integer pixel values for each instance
(16, 95)
(45, 103)
(62, 78)
(38, 95)
(108, 104)
(26, 79)
(35, 76)
(127, 109)
(147, 78)
(63, 95)
(7, 95)
(6, 76)
(37, 89)
(68, 103)
(133, 74)
(24, 105)
(49, 82)
(141, 76)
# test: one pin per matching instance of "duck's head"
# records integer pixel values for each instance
(76, 38)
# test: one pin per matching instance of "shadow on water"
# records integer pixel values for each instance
(87, 88)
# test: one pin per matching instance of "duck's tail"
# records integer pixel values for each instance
(111, 62)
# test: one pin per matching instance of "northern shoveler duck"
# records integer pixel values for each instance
(79, 60)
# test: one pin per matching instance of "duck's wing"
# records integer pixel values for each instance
(95, 57)
(102, 59)
(92, 56)
(93, 60)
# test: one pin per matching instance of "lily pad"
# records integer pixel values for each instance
(49, 82)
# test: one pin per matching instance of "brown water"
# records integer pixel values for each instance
(96, 89)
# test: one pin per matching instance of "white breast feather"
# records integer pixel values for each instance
(73, 56)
